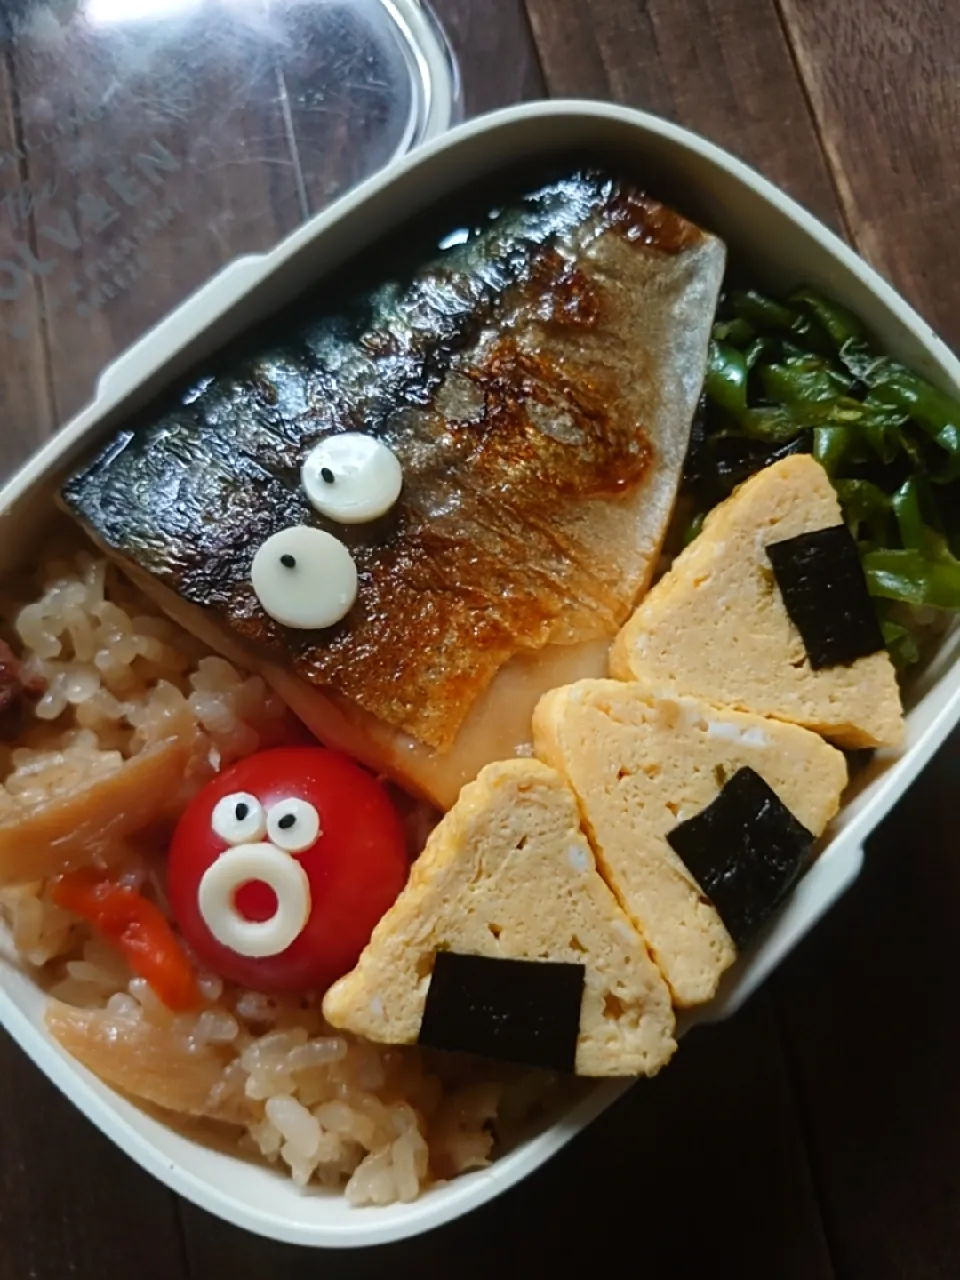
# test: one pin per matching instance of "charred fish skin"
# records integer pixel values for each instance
(533, 381)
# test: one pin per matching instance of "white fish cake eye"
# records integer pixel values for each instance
(293, 825)
(239, 866)
(239, 818)
(352, 478)
(304, 578)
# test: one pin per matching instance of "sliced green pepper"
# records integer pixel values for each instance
(840, 324)
(906, 506)
(935, 412)
(773, 423)
(897, 388)
(762, 312)
(802, 379)
(901, 643)
(761, 349)
(909, 576)
(769, 316)
(830, 447)
(726, 381)
(738, 332)
(865, 508)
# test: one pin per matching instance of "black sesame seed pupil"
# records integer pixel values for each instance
(287, 821)
(241, 811)
(288, 561)
(327, 475)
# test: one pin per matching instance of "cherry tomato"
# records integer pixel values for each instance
(281, 867)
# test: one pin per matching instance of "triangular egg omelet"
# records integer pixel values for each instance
(507, 942)
(702, 818)
(767, 611)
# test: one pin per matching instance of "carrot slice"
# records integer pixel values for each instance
(137, 928)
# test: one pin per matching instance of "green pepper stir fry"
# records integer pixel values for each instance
(803, 375)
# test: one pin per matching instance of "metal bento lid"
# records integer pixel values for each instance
(144, 144)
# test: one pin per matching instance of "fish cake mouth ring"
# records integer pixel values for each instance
(241, 865)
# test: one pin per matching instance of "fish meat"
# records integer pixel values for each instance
(537, 383)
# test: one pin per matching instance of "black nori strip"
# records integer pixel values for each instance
(745, 851)
(521, 1011)
(823, 587)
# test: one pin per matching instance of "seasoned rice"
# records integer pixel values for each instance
(111, 676)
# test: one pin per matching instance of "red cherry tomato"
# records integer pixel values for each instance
(354, 868)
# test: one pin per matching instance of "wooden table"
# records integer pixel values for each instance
(818, 1134)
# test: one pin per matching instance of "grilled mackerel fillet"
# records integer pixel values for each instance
(537, 384)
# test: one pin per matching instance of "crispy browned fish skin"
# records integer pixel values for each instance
(522, 387)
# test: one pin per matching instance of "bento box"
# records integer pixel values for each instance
(783, 245)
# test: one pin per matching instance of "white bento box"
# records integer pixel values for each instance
(783, 245)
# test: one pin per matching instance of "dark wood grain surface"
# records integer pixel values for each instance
(817, 1135)
(883, 83)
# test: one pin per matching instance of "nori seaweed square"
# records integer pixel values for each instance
(823, 587)
(745, 851)
(521, 1011)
